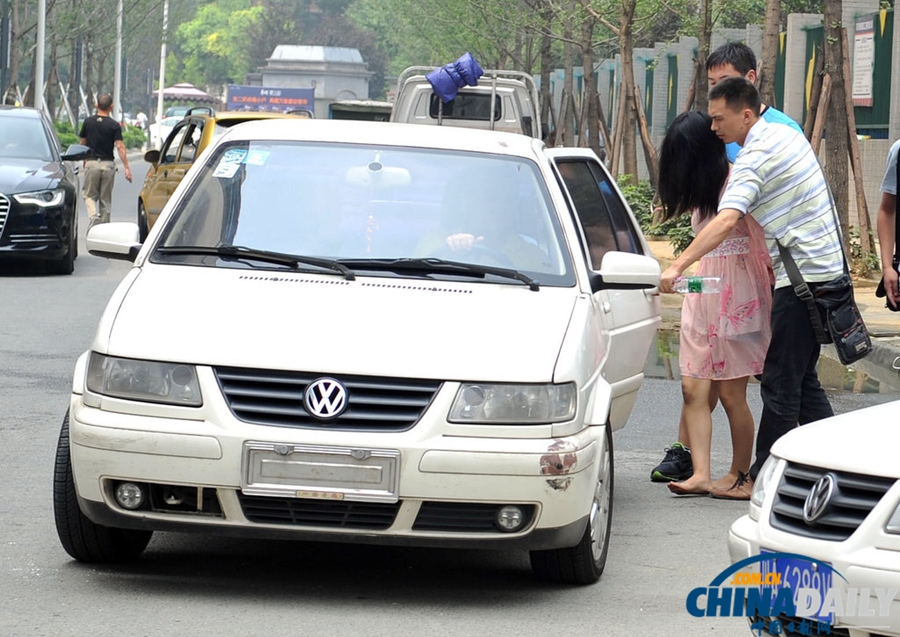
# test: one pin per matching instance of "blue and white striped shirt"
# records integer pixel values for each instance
(777, 179)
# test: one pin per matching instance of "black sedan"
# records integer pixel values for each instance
(39, 191)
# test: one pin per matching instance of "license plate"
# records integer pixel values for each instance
(797, 574)
(327, 473)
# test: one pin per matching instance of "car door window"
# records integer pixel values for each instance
(599, 209)
(169, 152)
(190, 144)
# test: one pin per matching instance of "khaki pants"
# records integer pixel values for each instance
(99, 177)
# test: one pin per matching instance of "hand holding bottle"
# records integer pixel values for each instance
(698, 284)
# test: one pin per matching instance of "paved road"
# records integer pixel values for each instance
(662, 546)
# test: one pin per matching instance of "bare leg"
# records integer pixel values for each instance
(698, 424)
(733, 394)
(683, 434)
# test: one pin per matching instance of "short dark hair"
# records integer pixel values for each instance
(693, 166)
(738, 93)
(737, 54)
(104, 101)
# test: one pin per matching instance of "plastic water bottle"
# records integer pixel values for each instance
(693, 284)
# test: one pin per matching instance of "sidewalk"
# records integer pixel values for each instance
(883, 325)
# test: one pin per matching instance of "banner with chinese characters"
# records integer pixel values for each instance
(264, 98)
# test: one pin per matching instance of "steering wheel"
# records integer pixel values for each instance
(478, 253)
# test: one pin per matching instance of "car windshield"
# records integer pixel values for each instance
(369, 207)
(24, 138)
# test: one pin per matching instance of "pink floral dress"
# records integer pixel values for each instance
(725, 335)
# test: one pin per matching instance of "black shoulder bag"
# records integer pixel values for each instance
(843, 325)
(880, 292)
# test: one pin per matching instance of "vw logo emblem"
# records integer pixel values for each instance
(819, 498)
(325, 398)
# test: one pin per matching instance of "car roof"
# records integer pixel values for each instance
(229, 118)
(386, 134)
(19, 111)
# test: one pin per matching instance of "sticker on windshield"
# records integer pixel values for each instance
(257, 157)
(226, 171)
(233, 156)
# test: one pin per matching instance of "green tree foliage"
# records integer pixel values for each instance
(215, 44)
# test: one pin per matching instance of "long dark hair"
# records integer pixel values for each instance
(693, 166)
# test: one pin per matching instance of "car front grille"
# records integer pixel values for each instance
(853, 498)
(325, 513)
(4, 211)
(463, 517)
(275, 398)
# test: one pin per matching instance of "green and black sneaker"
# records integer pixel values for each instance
(675, 467)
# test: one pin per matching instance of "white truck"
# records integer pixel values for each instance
(513, 94)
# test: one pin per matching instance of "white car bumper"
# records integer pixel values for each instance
(868, 570)
(424, 486)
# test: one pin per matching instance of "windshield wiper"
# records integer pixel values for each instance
(433, 264)
(280, 258)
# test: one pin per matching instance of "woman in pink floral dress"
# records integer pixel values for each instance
(725, 335)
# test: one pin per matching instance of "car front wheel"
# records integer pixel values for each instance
(143, 224)
(81, 538)
(584, 562)
(66, 264)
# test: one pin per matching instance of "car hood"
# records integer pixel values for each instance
(24, 175)
(861, 441)
(387, 326)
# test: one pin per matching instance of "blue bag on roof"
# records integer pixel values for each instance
(447, 80)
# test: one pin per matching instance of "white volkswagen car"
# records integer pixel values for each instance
(826, 506)
(365, 332)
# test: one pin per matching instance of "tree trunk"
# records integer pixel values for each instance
(629, 142)
(701, 100)
(588, 127)
(836, 129)
(546, 61)
(649, 150)
(862, 208)
(814, 95)
(766, 71)
(15, 53)
(567, 124)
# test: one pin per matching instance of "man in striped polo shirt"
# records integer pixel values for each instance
(777, 179)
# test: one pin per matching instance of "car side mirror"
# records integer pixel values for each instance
(76, 152)
(152, 156)
(625, 271)
(115, 240)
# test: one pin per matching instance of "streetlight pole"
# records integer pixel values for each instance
(162, 65)
(39, 55)
(117, 89)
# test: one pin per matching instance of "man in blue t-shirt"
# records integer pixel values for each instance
(735, 59)
(732, 59)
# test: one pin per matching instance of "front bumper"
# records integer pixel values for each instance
(32, 233)
(447, 492)
(867, 568)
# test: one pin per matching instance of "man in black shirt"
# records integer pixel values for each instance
(101, 133)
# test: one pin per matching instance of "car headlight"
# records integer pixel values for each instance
(763, 484)
(42, 198)
(514, 404)
(893, 524)
(147, 381)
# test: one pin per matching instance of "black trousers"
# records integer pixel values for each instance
(790, 389)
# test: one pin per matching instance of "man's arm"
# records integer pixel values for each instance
(709, 238)
(886, 219)
(120, 146)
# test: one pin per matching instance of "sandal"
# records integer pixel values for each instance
(740, 490)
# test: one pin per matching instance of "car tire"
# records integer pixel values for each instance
(584, 562)
(66, 264)
(143, 224)
(81, 538)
